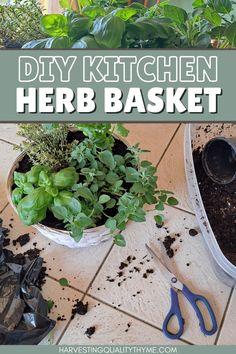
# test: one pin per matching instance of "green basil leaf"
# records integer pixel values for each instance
(86, 42)
(230, 33)
(44, 180)
(176, 13)
(221, 6)
(79, 27)
(31, 216)
(53, 191)
(17, 195)
(36, 200)
(198, 3)
(65, 4)
(65, 178)
(218, 32)
(58, 43)
(212, 16)
(93, 11)
(28, 188)
(19, 179)
(55, 25)
(125, 13)
(119, 241)
(66, 199)
(35, 44)
(108, 31)
(203, 41)
(145, 28)
(33, 174)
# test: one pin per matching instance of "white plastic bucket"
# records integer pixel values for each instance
(196, 135)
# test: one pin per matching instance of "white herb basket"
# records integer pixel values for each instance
(91, 237)
(196, 136)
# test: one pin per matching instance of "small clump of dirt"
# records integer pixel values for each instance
(220, 204)
(90, 331)
(32, 253)
(193, 232)
(22, 240)
(79, 308)
(168, 241)
(128, 327)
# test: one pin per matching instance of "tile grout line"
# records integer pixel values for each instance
(99, 268)
(86, 292)
(8, 142)
(132, 316)
(67, 325)
(2, 210)
(224, 316)
(168, 145)
(68, 286)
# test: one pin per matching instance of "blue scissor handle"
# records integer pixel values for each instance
(174, 311)
(193, 299)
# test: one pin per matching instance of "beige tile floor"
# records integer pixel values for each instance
(133, 312)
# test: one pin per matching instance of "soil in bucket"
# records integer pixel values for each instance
(220, 204)
(25, 165)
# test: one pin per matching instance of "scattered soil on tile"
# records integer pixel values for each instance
(22, 240)
(79, 308)
(61, 318)
(168, 241)
(90, 331)
(220, 205)
(25, 165)
(193, 232)
(128, 327)
(32, 253)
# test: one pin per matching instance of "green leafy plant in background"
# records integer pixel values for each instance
(20, 23)
(104, 24)
(96, 184)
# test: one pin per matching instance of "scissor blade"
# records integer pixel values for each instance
(170, 277)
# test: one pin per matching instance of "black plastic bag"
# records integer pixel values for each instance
(23, 310)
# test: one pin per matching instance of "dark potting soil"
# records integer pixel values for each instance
(90, 331)
(168, 241)
(25, 165)
(193, 232)
(79, 308)
(220, 205)
(22, 240)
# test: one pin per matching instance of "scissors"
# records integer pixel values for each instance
(175, 308)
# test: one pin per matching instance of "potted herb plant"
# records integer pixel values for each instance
(80, 185)
(104, 25)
